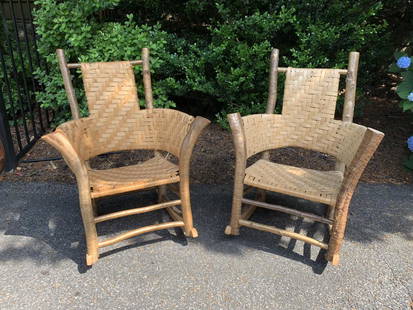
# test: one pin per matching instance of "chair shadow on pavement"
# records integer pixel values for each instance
(53, 224)
(211, 222)
(56, 233)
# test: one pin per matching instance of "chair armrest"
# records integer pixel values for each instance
(362, 156)
(352, 174)
(60, 141)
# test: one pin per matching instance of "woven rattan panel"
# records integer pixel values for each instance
(110, 89)
(151, 129)
(319, 186)
(311, 92)
(152, 172)
(336, 138)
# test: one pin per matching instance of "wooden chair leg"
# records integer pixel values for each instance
(189, 229)
(161, 193)
(335, 259)
(95, 207)
(330, 212)
(233, 227)
(261, 195)
(238, 136)
(337, 231)
(86, 209)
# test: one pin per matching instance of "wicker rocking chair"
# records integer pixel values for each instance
(116, 124)
(307, 121)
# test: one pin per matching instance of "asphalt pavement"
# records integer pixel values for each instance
(42, 252)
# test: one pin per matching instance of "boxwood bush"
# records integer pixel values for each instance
(211, 57)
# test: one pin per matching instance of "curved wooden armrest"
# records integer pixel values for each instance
(60, 141)
(188, 143)
(365, 151)
(353, 172)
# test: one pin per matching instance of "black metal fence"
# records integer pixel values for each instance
(22, 120)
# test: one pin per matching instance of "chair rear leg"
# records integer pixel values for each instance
(261, 195)
(94, 207)
(161, 193)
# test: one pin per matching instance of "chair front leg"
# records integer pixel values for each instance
(87, 212)
(184, 164)
(189, 229)
(233, 227)
(238, 136)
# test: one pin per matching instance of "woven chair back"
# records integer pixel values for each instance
(149, 129)
(311, 93)
(333, 137)
(110, 91)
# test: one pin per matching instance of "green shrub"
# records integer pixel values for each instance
(75, 27)
(213, 53)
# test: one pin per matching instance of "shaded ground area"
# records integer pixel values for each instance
(213, 160)
(42, 255)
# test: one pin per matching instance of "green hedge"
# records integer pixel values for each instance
(213, 56)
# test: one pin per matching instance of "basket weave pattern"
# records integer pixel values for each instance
(318, 186)
(150, 129)
(110, 90)
(336, 138)
(311, 93)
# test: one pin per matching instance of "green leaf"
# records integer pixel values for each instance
(406, 105)
(394, 68)
(408, 77)
(397, 55)
(404, 89)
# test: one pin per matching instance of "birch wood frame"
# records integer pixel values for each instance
(336, 218)
(369, 144)
(71, 149)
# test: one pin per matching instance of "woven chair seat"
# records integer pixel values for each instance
(314, 185)
(153, 172)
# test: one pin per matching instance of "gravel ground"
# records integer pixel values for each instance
(42, 255)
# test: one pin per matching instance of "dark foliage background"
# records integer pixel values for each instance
(211, 57)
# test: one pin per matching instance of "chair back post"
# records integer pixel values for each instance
(351, 82)
(70, 91)
(350, 95)
(147, 84)
(272, 89)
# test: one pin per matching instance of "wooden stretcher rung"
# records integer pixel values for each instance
(123, 213)
(287, 210)
(140, 231)
(77, 65)
(283, 232)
